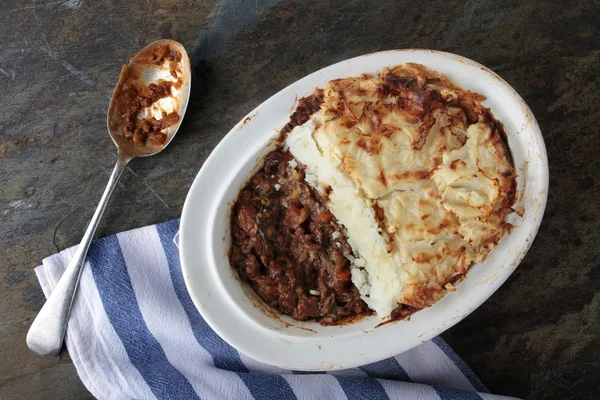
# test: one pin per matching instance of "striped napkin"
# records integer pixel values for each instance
(134, 333)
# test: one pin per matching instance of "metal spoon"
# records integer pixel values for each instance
(47, 331)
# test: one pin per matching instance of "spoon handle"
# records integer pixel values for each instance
(48, 330)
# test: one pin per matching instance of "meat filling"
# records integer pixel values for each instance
(289, 247)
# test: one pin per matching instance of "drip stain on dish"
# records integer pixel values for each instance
(383, 191)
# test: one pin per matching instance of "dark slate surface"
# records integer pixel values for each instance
(537, 337)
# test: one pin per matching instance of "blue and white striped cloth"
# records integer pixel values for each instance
(135, 334)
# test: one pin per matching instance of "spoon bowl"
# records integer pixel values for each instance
(138, 74)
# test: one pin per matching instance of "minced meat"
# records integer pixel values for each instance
(289, 247)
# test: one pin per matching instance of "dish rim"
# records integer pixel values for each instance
(320, 361)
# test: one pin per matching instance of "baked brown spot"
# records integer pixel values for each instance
(371, 145)
(307, 106)
(424, 295)
(382, 179)
(412, 175)
(379, 215)
(456, 164)
(443, 225)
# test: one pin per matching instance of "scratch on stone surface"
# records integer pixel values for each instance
(149, 187)
(51, 53)
(58, 226)
(82, 76)
(33, 7)
(18, 130)
(48, 52)
(103, 168)
(73, 4)
(219, 23)
(10, 76)
(108, 172)
(35, 16)
(16, 204)
(461, 25)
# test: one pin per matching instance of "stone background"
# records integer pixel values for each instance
(537, 337)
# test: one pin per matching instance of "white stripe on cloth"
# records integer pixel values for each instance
(305, 386)
(97, 352)
(407, 391)
(428, 364)
(107, 371)
(144, 256)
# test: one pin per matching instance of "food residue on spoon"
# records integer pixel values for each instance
(141, 115)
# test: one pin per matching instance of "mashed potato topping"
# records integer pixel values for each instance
(417, 171)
